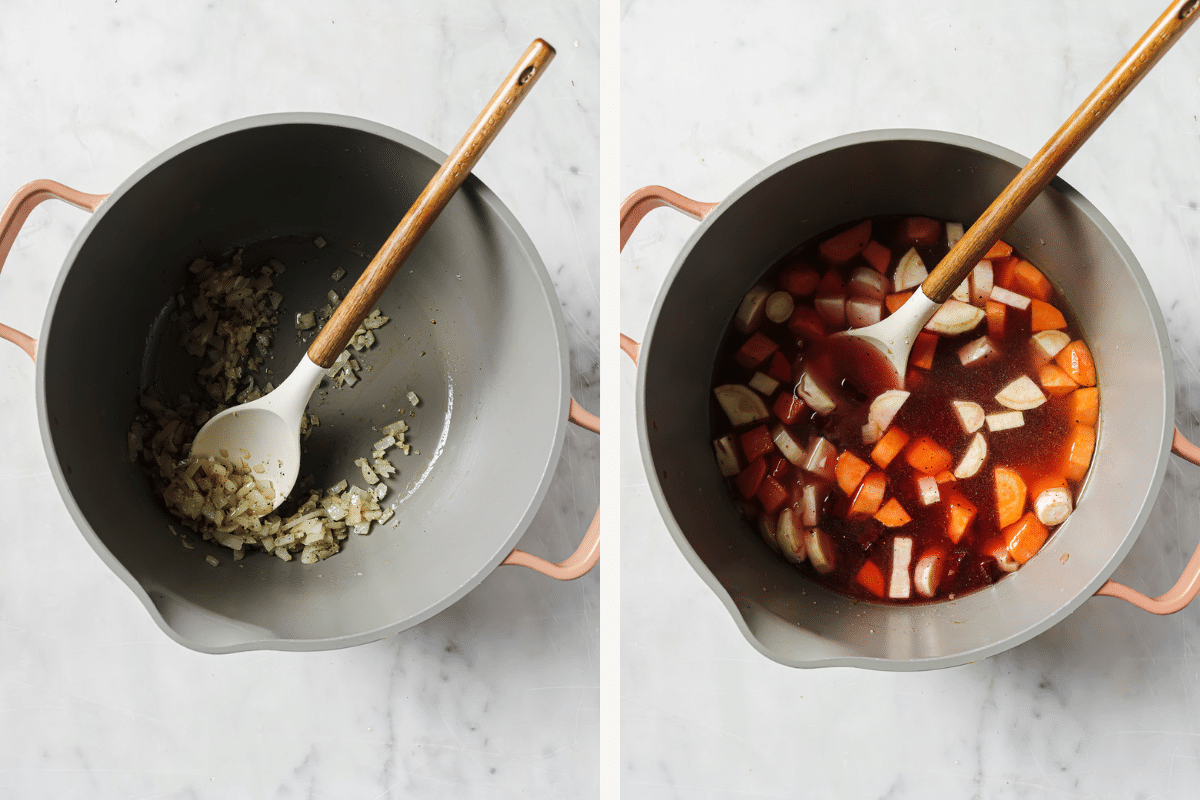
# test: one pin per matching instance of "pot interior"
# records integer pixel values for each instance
(475, 332)
(782, 613)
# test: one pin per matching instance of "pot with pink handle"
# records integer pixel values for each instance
(913, 172)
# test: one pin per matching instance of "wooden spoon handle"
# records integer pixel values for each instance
(371, 284)
(1042, 168)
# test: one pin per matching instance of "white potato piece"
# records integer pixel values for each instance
(763, 383)
(866, 282)
(910, 271)
(972, 460)
(820, 550)
(981, 283)
(962, 292)
(832, 309)
(1022, 395)
(779, 306)
(740, 404)
(954, 232)
(955, 317)
(1005, 421)
(822, 458)
(1009, 298)
(1053, 506)
(727, 457)
(900, 587)
(927, 488)
(811, 392)
(970, 415)
(1047, 344)
(766, 527)
(978, 352)
(871, 433)
(788, 446)
(811, 497)
(884, 408)
(927, 574)
(750, 313)
(863, 311)
(790, 536)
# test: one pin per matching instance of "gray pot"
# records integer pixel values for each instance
(492, 374)
(784, 615)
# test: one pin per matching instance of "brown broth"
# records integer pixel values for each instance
(1032, 450)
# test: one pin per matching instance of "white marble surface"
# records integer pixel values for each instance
(1105, 704)
(495, 697)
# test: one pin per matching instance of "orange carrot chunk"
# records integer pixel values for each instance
(1081, 443)
(850, 470)
(919, 230)
(998, 250)
(847, 244)
(877, 256)
(926, 455)
(1010, 496)
(923, 349)
(893, 515)
(1076, 361)
(960, 513)
(1004, 272)
(749, 479)
(1045, 317)
(771, 494)
(1029, 281)
(945, 476)
(995, 318)
(1056, 382)
(889, 447)
(894, 301)
(1025, 537)
(870, 577)
(869, 496)
(1045, 482)
(1084, 406)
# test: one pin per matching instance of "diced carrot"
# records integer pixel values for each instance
(889, 447)
(778, 467)
(749, 479)
(919, 230)
(850, 470)
(1025, 537)
(877, 256)
(1045, 482)
(757, 442)
(869, 496)
(798, 279)
(893, 515)
(771, 494)
(788, 408)
(1029, 281)
(1003, 271)
(1084, 406)
(780, 369)
(926, 455)
(1081, 444)
(1076, 361)
(923, 349)
(1045, 317)
(996, 313)
(806, 323)
(913, 380)
(998, 250)
(945, 476)
(894, 301)
(757, 349)
(960, 513)
(1056, 382)
(1010, 496)
(831, 284)
(847, 244)
(870, 577)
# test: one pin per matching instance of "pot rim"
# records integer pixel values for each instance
(473, 184)
(646, 358)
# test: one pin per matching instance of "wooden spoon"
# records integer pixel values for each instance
(876, 357)
(267, 431)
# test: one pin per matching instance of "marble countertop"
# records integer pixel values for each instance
(1104, 705)
(495, 697)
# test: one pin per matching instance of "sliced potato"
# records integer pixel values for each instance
(810, 505)
(727, 457)
(978, 352)
(910, 271)
(1047, 344)
(866, 282)
(1009, 298)
(1022, 395)
(750, 313)
(822, 458)
(927, 489)
(972, 460)
(763, 383)
(790, 536)
(741, 404)
(900, 587)
(884, 408)
(788, 446)
(1053, 506)
(954, 232)
(955, 317)
(970, 415)
(820, 551)
(927, 574)
(811, 392)
(779, 306)
(1005, 420)
(962, 292)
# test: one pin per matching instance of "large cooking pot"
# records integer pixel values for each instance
(784, 615)
(476, 331)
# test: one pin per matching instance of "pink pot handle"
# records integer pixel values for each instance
(13, 217)
(1188, 586)
(588, 553)
(636, 206)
